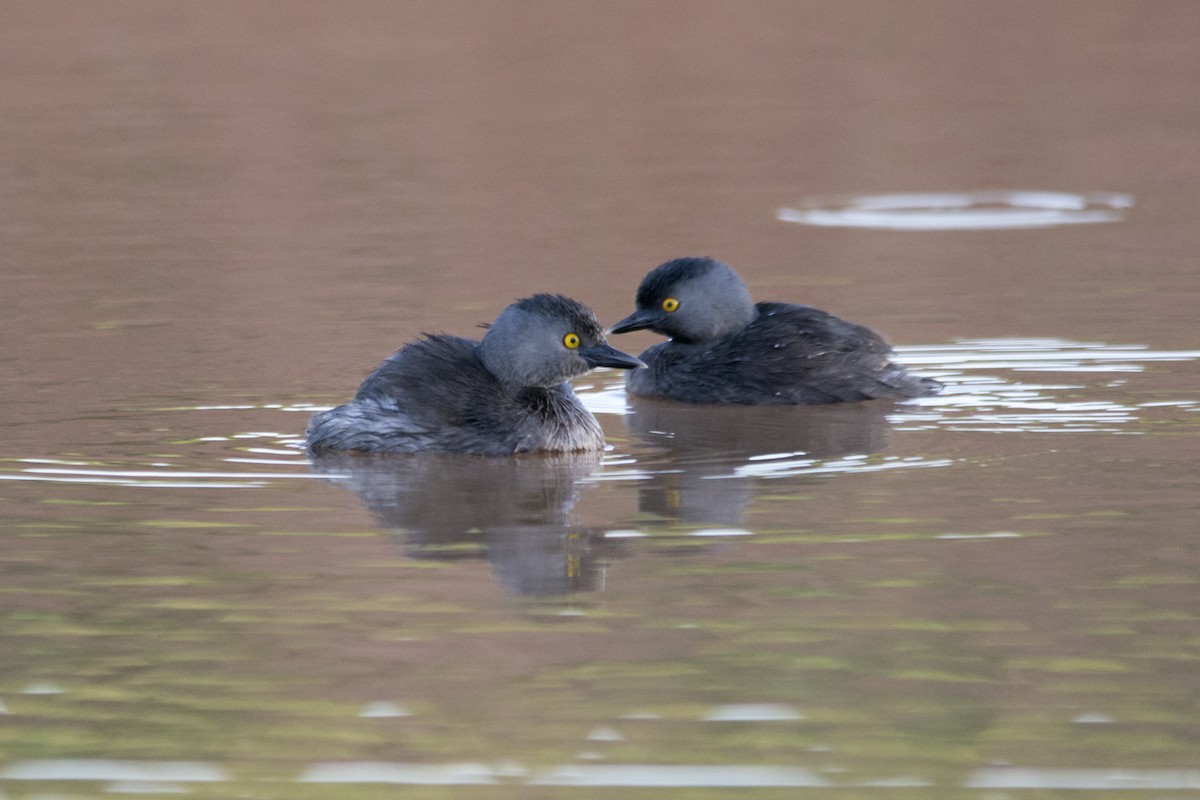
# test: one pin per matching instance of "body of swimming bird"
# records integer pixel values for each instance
(503, 395)
(725, 348)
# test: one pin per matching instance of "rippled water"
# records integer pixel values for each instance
(980, 211)
(985, 392)
(797, 547)
(215, 220)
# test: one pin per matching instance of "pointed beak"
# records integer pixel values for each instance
(639, 320)
(603, 355)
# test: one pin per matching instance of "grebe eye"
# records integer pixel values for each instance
(571, 341)
(670, 304)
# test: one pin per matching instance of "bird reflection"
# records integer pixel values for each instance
(513, 511)
(703, 445)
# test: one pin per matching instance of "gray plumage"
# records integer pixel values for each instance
(507, 394)
(725, 348)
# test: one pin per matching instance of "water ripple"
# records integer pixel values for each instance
(943, 211)
(995, 403)
(155, 776)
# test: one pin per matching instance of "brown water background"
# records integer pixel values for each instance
(216, 216)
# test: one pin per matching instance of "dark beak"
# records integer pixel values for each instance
(603, 355)
(639, 320)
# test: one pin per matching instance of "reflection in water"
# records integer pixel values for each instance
(101, 769)
(1094, 779)
(753, 712)
(944, 211)
(991, 403)
(706, 450)
(671, 775)
(709, 457)
(514, 511)
(170, 776)
(738, 433)
(413, 774)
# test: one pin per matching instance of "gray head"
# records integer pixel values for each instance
(691, 300)
(544, 340)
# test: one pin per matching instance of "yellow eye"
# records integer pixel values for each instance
(571, 340)
(670, 304)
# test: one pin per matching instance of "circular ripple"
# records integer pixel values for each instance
(945, 211)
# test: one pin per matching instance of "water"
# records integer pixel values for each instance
(984, 210)
(215, 219)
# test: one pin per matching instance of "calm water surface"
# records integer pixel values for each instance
(216, 218)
